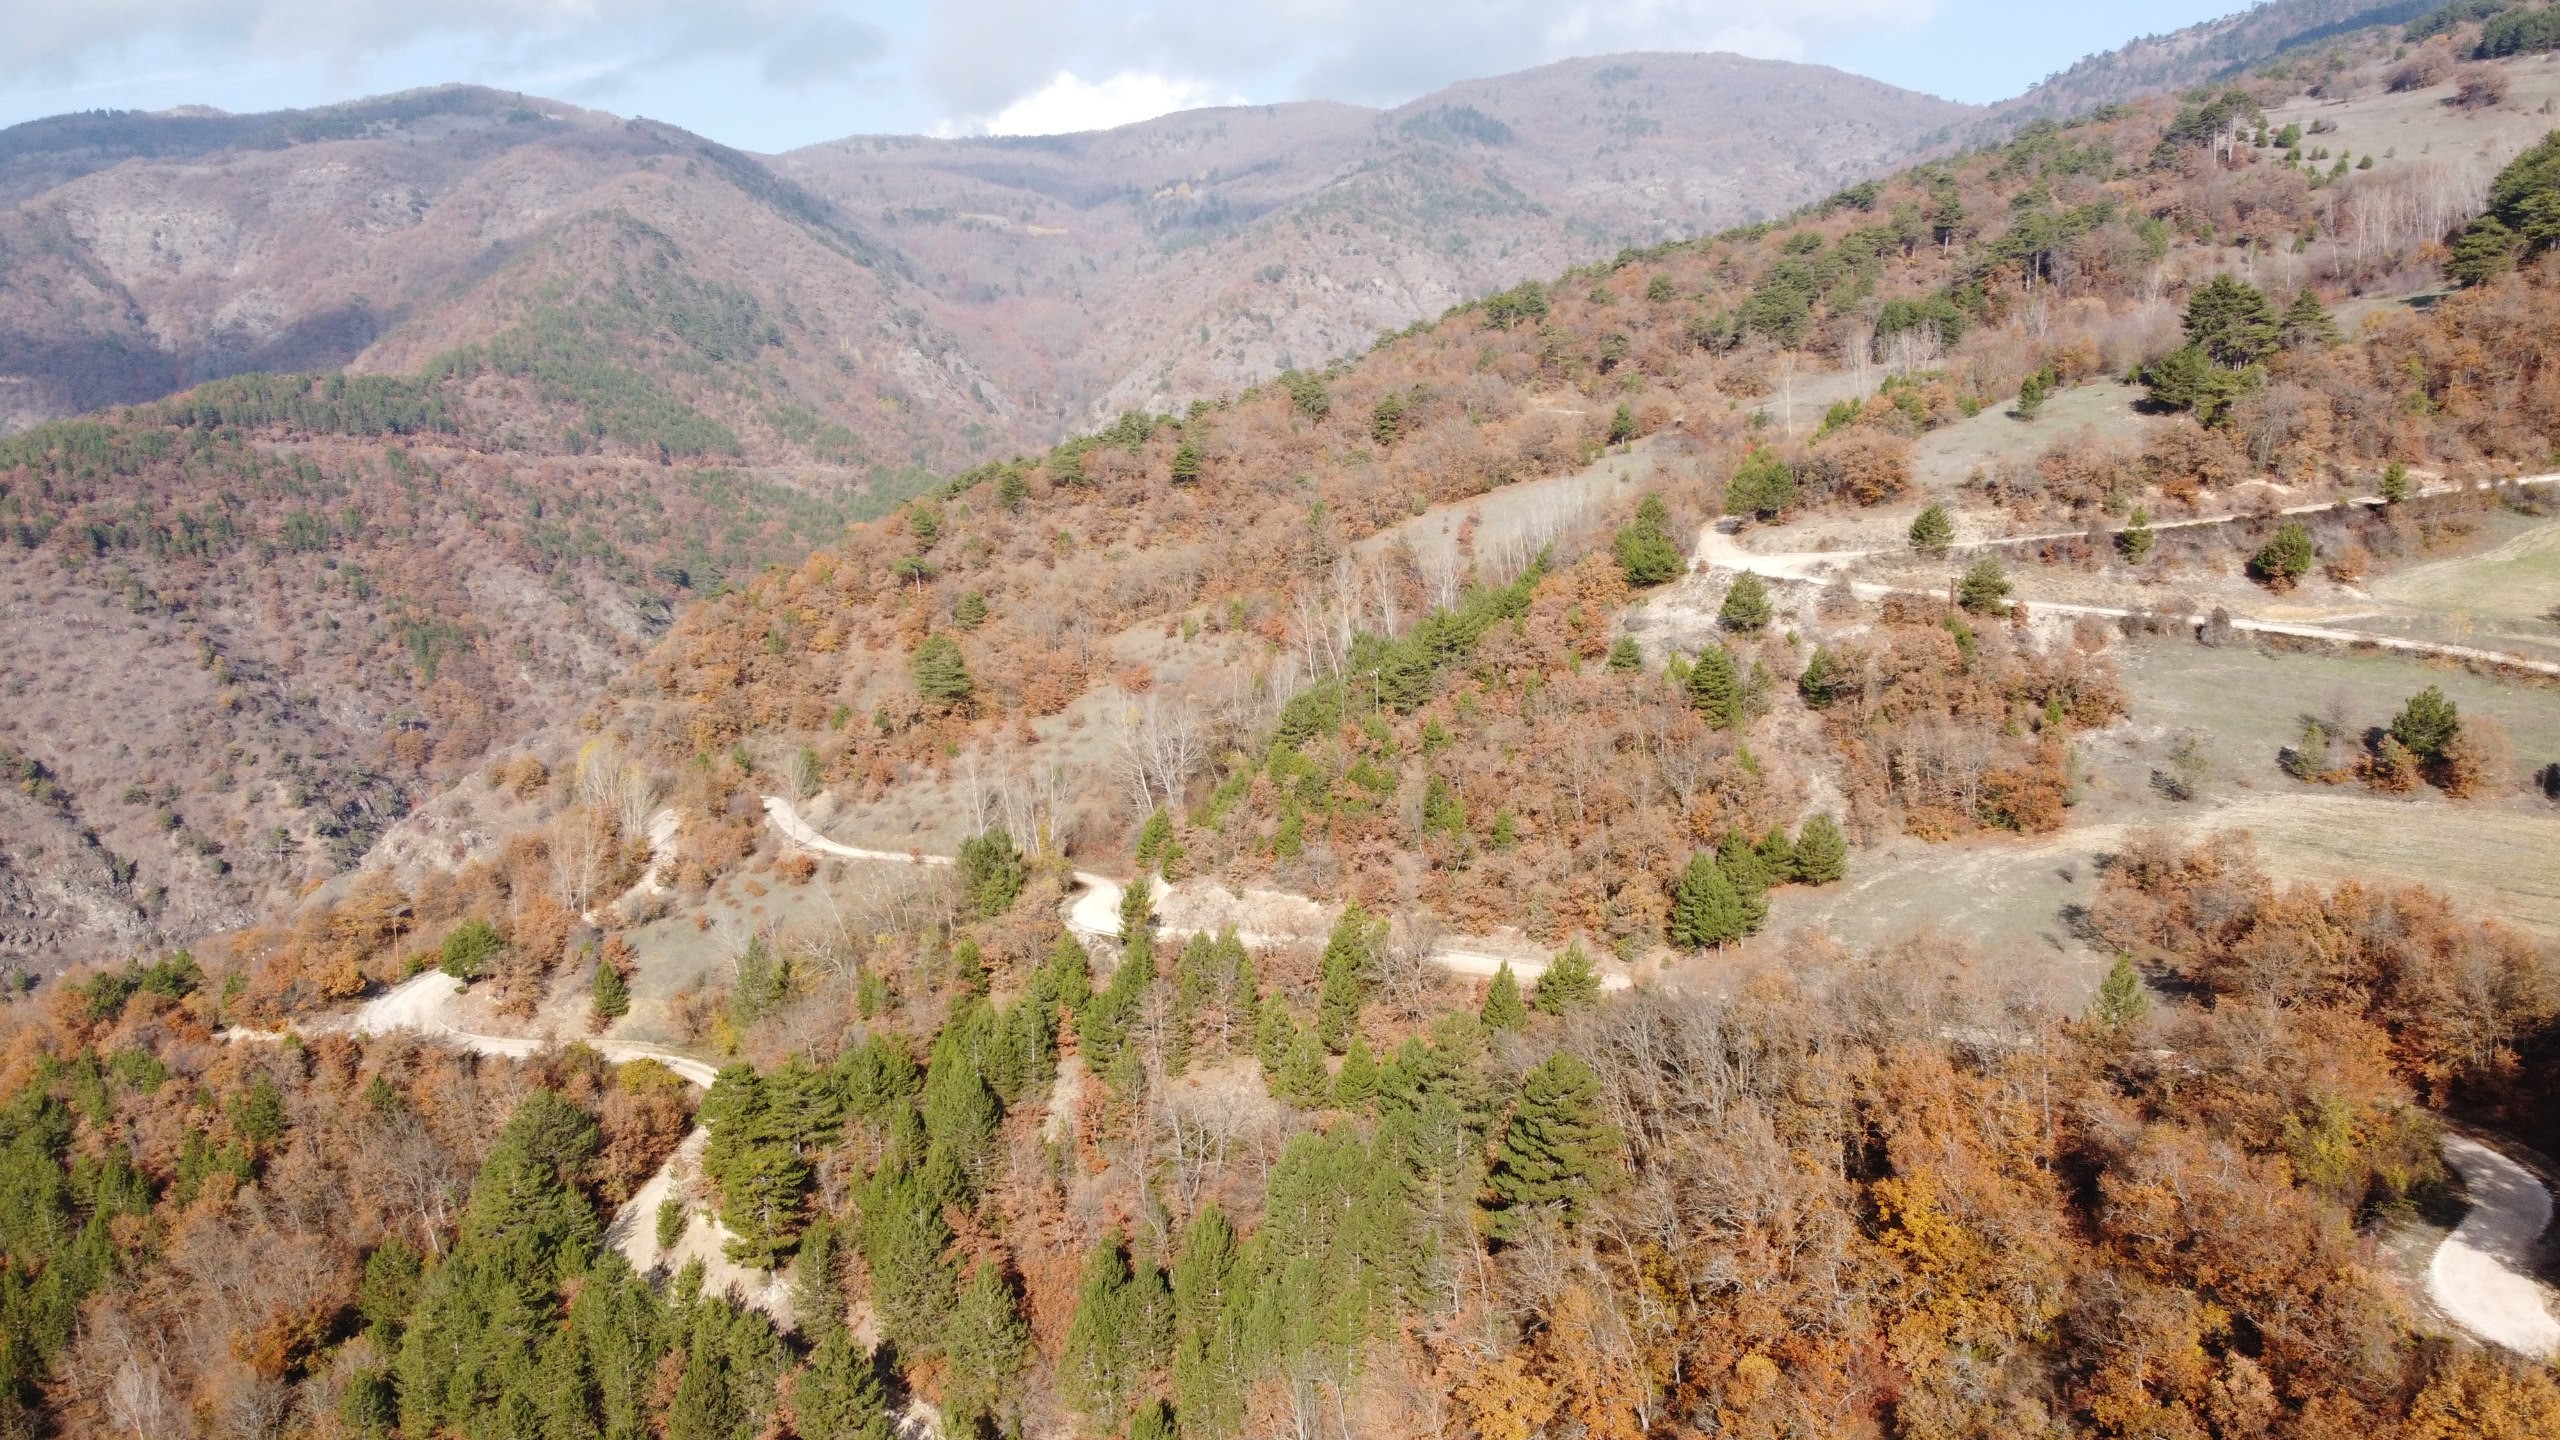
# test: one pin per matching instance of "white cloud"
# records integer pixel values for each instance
(990, 55)
(797, 41)
(1069, 104)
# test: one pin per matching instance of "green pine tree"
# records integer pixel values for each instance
(2285, 558)
(610, 995)
(1706, 908)
(1356, 1084)
(2395, 483)
(1625, 656)
(970, 610)
(838, 1395)
(1570, 982)
(2428, 725)
(2136, 540)
(2121, 999)
(984, 1344)
(1208, 1366)
(1122, 1326)
(2232, 322)
(1933, 531)
(1746, 605)
(1646, 552)
(992, 873)
(1715, 688)
(1186, 462)
(2306, 324)
(1503, 1009)
(941, 675)
(1822, 852)
(1984, 588)
(1350, 962)
(1554, 1152)
(1302, 1080)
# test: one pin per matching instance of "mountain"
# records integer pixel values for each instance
(1142, 267)
(876, 300)
(2200, 54)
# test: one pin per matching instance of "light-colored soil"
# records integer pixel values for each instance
(2481, 1275)
(2405, 129)
(1945, 457)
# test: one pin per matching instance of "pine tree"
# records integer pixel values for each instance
(2428, 724)
(2121, 999)
(903, 1240)
(1186, 462)
(838, 1396)
(983, 1344)
(2395, 483)
(2285, 558)
(1554, 1151)
(1208, 1372)
(970, 610)
(1822, 852)
(2306, 323)
(940, 673)
(1154, 1420)
(817, 1291)
(1746, 605)
(1763, 487)
(1569, 983)
(1814, 685)
(610, 995)
(1706, 909)
(1715, 688)
(1122, 1325)
(992, 873)
(2136, 540)
(1934, 531)
(1740, 861)
(1350, 959)
(1302, 1080)
(1503, 1010)
(1625, 656)
(1356, 1084)
(1984, 588)
(2232, 322)
(1646, 553)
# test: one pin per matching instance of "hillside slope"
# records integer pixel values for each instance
(918, 301)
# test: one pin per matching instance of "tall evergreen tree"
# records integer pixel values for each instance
(2121, 999)
(1503, 1009)
(1119, 1332)
(992, 872)
(1570, 982)
(608, 995)
(1933, 531)
(1553, 1152)
(1822, 852)
(1706, 909)
(1350, 962)
(1646, 552)
(838, 1395)
(1746, 605)
(1208, 1374)
(940, 673)
(1715, 688)
(2232, 322)
(984, 1343)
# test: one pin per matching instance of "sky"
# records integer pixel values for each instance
(771, 75)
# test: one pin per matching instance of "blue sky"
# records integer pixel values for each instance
(773, 74)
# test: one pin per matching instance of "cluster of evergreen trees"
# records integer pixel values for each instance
(1722, 896)
(2232, 330)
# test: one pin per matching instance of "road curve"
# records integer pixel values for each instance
(2481, 1273)
(1717, 550)
(1095, 912)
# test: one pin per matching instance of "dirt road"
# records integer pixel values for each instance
(1095, 911)
(2481, 1273)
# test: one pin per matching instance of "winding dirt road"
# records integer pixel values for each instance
(2481, 1273)
(1717, 549)
(1095, 911)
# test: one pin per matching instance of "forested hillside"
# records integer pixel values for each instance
(1494, 738)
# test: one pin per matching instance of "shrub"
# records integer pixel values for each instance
(2282, 562)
